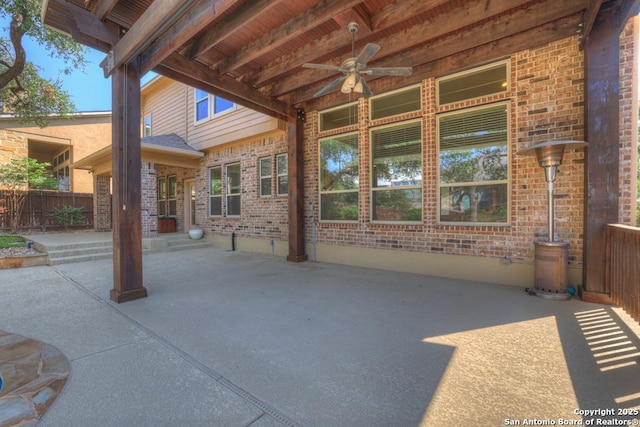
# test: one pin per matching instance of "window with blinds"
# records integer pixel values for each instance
(233, 189)
(395, 103)
(340, 117)
(396, 172)
(481, 81)
(474, 165)
(339, 178)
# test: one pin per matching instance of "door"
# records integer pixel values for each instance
(189, 204)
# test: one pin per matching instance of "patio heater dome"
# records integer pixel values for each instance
(551, 256)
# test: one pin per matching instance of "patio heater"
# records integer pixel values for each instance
(551, 256)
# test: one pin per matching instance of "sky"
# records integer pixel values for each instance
(88, 88)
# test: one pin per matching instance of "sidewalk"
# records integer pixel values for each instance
(237, 339)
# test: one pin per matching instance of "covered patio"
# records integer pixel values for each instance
(252, 340)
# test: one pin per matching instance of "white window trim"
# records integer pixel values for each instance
(210, 108)
(261, 177)
(226, 190)
(393, 92)
(321, 192)
(328, 110)
(278, 175)
(408, 187)
(211, 215)
(144, 125)
(507, 181)
(506, 61)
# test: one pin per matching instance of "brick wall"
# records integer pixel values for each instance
(102, 203)
(547, 103)
(261, 217)
(149, 206)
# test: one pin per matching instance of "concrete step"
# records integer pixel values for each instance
(79, 258)
(89, 250)
(189, 244)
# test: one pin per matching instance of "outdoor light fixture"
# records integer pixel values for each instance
(551, 256)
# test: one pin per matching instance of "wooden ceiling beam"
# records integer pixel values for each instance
(89, 24)
(536, 15)
(280, 36)
(153, 22)
(547, 33)
(200, 15)
(103, 7)
(199, 76)
(243, 16)
(588, 19)
(437, 27)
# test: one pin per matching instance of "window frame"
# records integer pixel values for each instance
(211, 195)
(228, 194)
(381, 96)
(321, 191)
(211, 106)
(262, 177)
(420, 186)
(161, 192)
(506, 62)
(279, 174)
(146, 125)
(329, 110)
(506, 182)
(172, 195)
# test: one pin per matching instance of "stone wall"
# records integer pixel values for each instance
(12, 145)
(102, 202)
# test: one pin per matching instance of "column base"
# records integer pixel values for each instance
(595, 297)
(130, 295)
(297, 258)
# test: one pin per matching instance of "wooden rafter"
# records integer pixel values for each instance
(282, 35)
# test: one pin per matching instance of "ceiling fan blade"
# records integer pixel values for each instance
(366, 91)
(388, 71)
(322, 66)
(367, 53)
(330, 86)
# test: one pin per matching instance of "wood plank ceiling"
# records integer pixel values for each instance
(251, 51)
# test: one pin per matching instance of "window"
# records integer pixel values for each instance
(162, 196)
(399, 102)
(474, 165)
(233, 189)
(147, 125)
(265, 176)
(396, 171)
(207, 106)
(172, 185)
(202, 105)
(215, 191)
(481, 81)
(339, 117)
(283, 178)
(61, 170)
(339, 178)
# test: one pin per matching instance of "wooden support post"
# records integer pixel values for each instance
(295, 135)
(602, 161)
(127, 214)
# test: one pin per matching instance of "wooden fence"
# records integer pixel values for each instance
(623, 267)
(39, 207)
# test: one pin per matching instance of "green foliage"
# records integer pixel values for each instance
(68, 215)
(11, 242)
(16, 177)
(23, 92)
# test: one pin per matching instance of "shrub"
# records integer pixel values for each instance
(68, 215)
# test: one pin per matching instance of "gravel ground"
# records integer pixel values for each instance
(17, 251)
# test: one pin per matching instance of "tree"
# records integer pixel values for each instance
(23, 91)
(16, 178)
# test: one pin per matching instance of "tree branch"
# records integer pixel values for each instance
(16, 33)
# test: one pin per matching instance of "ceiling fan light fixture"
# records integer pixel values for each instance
(350, 82)
(358, 88)
(345, 88)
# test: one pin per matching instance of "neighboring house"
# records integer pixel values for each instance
(61, 143)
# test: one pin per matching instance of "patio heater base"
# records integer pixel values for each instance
(550, 270)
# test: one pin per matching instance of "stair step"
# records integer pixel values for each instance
(61, 253)
(188, 245)
(79, 258)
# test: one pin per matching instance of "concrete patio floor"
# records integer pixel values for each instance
(238, 339)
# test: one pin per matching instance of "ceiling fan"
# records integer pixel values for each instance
(355, 67)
